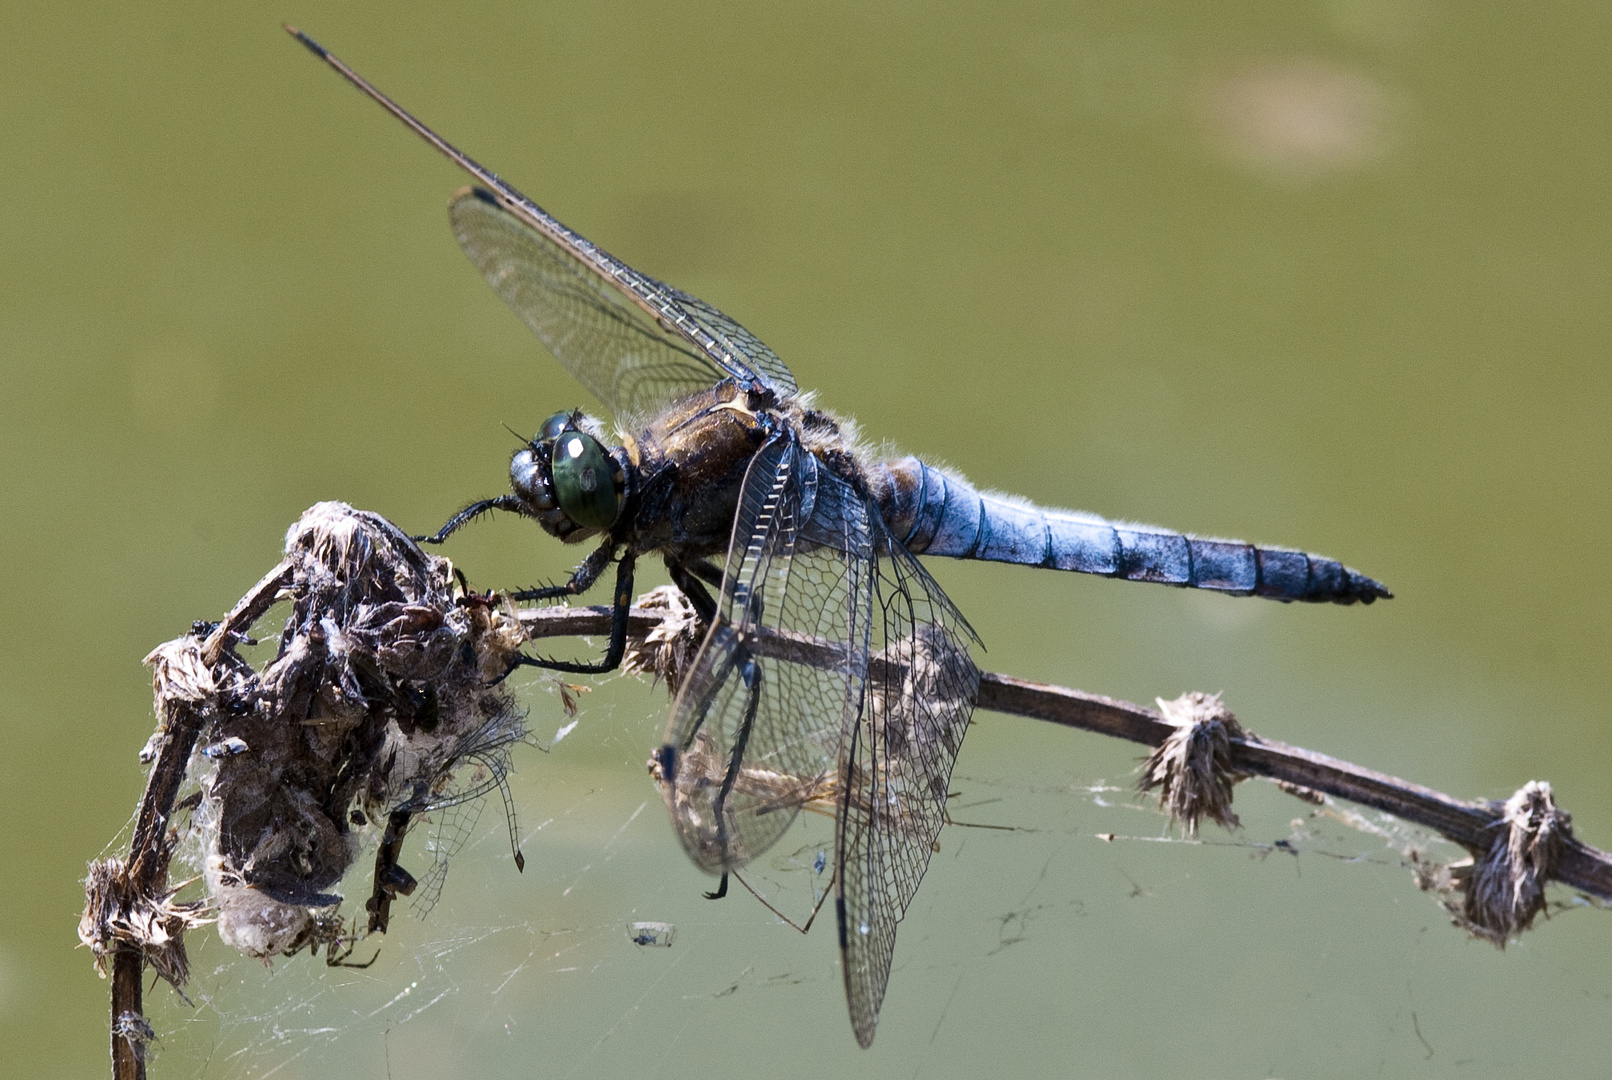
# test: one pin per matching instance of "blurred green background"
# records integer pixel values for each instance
(1333, 275)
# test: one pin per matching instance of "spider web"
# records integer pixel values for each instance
(512, 968)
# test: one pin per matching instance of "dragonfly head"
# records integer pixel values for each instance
(567, 479)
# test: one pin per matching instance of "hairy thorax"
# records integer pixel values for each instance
(691, 463)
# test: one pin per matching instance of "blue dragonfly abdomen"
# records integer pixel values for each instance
(935, 512)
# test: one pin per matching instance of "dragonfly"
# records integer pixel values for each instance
(833, 666)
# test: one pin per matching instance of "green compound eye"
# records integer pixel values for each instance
(584, 481)
(552, 427)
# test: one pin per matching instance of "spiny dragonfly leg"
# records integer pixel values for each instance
(621, 604)
(669, 756)
(707, 571)
(468, 514)
(721, 889)
(582, 578)
(750, 671)
(687, 578)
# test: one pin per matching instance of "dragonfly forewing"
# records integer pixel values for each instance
(541, 244)
(609, 343)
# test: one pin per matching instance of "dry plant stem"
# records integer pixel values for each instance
(1473, 825)
(128, 1054)
(147, 871)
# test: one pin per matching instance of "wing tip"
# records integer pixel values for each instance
(474, 195)
(309, 43)
(477, 192)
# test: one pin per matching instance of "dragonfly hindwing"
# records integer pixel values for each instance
(895, 766)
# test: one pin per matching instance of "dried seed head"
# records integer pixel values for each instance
(1193, 767)
(1503, 889)
(667, 651)
(117, 914)
(386, 681)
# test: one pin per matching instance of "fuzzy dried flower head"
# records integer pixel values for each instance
(667, 651)
(1503, 889)
(1193, 767)
(117, 913)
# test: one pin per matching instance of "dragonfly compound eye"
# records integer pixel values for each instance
(526, 476)
(585, 481)
(553, 427)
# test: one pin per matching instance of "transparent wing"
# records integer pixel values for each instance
(475, 765)
(634, 342)
(756, 728)
(895, 765)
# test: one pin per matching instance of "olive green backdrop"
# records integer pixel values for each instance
(1333, 275)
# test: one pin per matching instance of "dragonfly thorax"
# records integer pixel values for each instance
(567, 480)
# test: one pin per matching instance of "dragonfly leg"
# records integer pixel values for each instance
(621, 604)
(581, 580)
(721, 889)
(686, 578)
(751, 673)
(468, 514)
(706, 571)
(668, 754)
